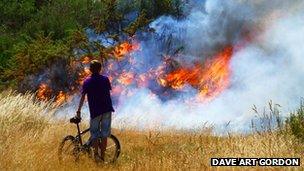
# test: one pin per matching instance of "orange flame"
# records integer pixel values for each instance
(44, 92)
(61, 98)
(86, 60)
(180, 77)
(83, 75)
(216, 77)
(210, 79)
(126, 78)
(125, 48)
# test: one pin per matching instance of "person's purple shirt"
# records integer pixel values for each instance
(97, 87)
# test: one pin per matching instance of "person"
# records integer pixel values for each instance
(97, 88)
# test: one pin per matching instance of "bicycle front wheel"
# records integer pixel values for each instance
(112, 149)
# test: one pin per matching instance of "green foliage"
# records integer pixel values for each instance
(127, 6)
(296, 123)
(15, 13)
(5, 44)
(107, 17)
(33, 56)
(22, 52)
(58, 17)
(60, 25)
(162, 6)
(157, 8)
(78, 39)
(140, 22)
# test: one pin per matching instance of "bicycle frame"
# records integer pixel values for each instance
(81, 133)
(79, 145)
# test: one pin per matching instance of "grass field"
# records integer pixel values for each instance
(29, 139)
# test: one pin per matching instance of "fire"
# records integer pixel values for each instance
(210, 79)
(86, 60)
(125, 48)
(61, 98)
(142, 80)
(83, 75)
(216, 77)
(44, 92)
(162, 82)
(126, 78)
(182, 76)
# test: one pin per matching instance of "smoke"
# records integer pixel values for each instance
(266, 65)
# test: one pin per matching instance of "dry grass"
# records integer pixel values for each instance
(29, 141)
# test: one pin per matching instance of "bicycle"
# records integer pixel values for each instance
(72, 147)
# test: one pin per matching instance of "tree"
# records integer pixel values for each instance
(33, 56)
(140, 22)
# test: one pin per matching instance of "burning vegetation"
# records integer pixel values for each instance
(209, 78)
(44, 92)
(124, 48)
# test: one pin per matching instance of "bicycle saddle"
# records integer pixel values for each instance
(75, 120)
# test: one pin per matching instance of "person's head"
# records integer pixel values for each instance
(95, 67)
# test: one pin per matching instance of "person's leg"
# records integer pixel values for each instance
(105, 124)
(94, 130)
(103, 146)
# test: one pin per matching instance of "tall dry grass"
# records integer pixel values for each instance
(29, 139)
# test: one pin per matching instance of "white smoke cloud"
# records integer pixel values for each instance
(270, 67)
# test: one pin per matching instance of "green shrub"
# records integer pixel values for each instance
(296, 123)
(15, 13)
(33, 56)
(60, 25)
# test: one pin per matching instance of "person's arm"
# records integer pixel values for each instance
(80, 105)
(83, 93)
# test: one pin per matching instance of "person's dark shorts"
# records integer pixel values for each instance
(100, 126)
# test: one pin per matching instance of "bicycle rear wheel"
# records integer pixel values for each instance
(112, 150)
